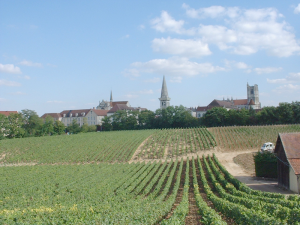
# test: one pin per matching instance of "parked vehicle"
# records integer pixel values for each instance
(269, 146)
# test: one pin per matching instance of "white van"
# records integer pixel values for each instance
(267, 147)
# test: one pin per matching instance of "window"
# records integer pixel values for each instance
(252, 91)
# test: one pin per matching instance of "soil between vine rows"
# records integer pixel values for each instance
(208, 202)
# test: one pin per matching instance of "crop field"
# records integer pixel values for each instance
(117, 146)
(195, 191)
(249, 137)
(176, 142)
(123, 146)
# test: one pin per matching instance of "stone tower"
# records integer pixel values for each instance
(252, 93)
(164, 98)
(111, 98)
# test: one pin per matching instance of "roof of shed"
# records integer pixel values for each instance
(291, 146)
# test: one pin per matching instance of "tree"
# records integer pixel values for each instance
(48, 127)
(146, 119)
(74, 128)
(58, 127)
(4, 129)
(15, 122)
(33, 124)
(85, 126)
(285, 113)
(216, 116)
(106, 123)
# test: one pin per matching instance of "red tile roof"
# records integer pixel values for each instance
(120, 103)
(291, 146)
(6, 113)
(240, 102)
(251, 102)
(100, 112)
(119, 107)
(54, 115)
(79, 111)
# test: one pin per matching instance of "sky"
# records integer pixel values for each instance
(61, 55)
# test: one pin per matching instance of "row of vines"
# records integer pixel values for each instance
(168, 143)
(249, 137)
(137, 193)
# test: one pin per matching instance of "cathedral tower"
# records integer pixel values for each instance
(164, 99)
(252, 94)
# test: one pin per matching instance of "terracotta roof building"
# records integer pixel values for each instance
(6, 113)
(288, 155)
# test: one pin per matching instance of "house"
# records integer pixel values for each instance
(6, 113)
(55, 116)
(252, 101)
(93, 116)
(287, 150)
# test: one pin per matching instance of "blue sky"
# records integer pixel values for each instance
(58, 55)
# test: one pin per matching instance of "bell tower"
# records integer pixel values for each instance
(164, 98)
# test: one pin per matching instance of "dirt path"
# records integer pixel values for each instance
(269, 185)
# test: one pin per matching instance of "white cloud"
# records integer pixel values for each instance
(153, 80)
(27, 77)
(246, 31)
(293, 77)
(175, 66)
(182, 47)
(2, 99)
(176, 79)
(238, 65)
(287, 88)
(9, 83)
(142, 27)
(146, 92)
(29, 63)
(297, 9)
(211, 12)
(55, 102)
(9, 68)
(131, 73)
(165, 23)
(267, 70)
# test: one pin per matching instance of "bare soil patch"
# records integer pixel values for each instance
(246, 161)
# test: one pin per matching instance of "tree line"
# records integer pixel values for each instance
(179, 117)
(28, 124)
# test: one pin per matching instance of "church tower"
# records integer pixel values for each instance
(111, 98)
(164, 98)
(252, 94)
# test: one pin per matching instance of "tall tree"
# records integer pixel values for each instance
(15, 122)
(58, 127)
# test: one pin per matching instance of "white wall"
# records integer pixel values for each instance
(294, 182)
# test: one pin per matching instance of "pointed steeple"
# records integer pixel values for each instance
(111, 98)
(164, 99)
(164, 90)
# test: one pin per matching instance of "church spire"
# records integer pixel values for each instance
(164, 89)
(111, 98)
(164, 99)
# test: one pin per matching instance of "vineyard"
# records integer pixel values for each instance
(249, 137)
(168, 143)
(197, 191)
(117, 146)
(123, 146)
